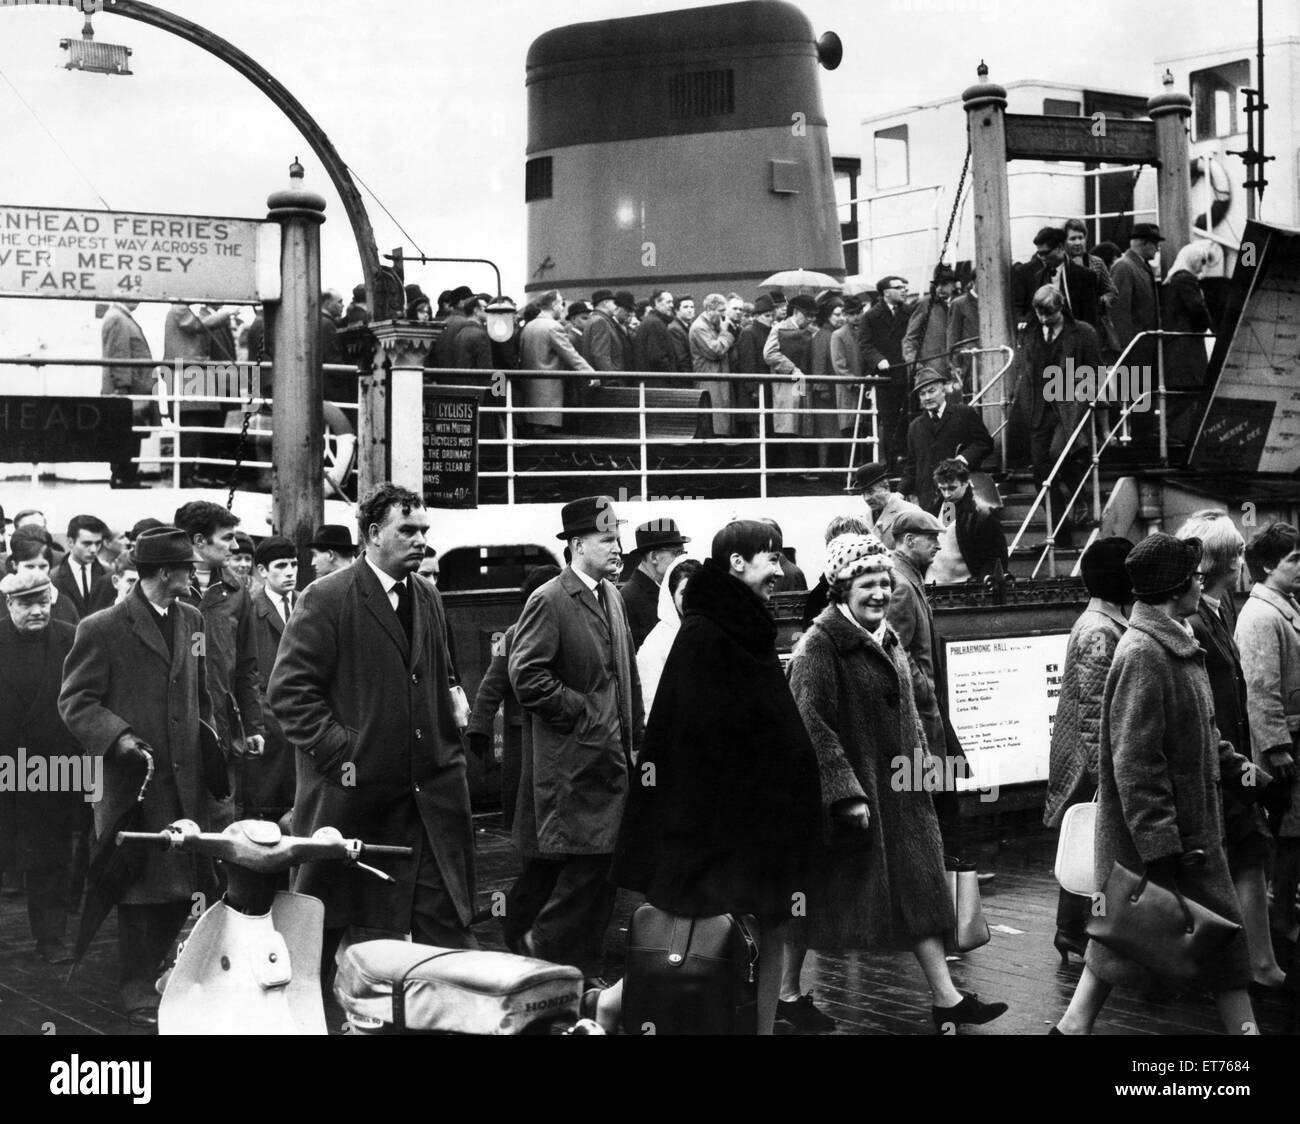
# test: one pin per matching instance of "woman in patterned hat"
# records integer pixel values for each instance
(880, 881)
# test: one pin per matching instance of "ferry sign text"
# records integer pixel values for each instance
(119, 255)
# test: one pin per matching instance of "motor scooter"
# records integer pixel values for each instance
(251, 965)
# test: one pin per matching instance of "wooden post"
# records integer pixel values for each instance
(1171, 111)
(298, 444)
(985, 105)
(392, 405)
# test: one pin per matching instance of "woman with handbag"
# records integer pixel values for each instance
(879, 878)
(1076, 733)
(1158, 806)
(1247, 841)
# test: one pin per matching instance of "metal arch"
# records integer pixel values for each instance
(290, 106)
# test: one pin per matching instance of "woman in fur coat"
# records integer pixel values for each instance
(879, 880)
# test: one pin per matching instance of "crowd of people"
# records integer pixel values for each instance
(338, 704)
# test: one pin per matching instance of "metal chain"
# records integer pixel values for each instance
(956, 205)
(243, 441)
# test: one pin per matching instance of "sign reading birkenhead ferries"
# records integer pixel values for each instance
(123, 255)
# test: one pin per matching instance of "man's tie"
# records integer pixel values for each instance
(404, 607)
(600, 596)
(284, 599)
(85, 580)
(934, 416)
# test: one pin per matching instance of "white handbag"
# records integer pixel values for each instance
(1076, 863)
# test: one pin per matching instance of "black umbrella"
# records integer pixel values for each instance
(112, 868)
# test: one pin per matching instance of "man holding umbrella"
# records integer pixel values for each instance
(134, 688)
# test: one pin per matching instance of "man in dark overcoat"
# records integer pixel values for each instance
(941, 431)
(266, 780)
(880, 341)
(658, 543)
(37, 826)
(573, 669)
(134, 681)
(361, 689)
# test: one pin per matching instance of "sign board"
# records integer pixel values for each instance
(49, 430)
(126, 256)
(1102, 139)
(1002, 696)
(1252, 423)
(449, 446)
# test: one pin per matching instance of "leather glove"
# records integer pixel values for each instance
(480, 745)
(127, 749)
(1275, 800)
(1281, 764)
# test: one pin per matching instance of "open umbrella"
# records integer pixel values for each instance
(112, 868)
(856, 286)
(801, 279)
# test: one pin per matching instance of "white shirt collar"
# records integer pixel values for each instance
(590, 583)
(385, 580)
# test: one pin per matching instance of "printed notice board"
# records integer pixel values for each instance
(449, 440)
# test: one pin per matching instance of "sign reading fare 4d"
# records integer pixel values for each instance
(121, 255)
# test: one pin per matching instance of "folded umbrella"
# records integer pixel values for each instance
(113, 868)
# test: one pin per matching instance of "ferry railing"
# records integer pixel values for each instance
(761, 437)
(241, 379)
(1003, 404)
(1118, 433)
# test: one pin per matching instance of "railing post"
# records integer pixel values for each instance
(510, 441)
(393, 405)
(1096, 466)
(645, 480)
(762, 440)
(297, 416)
(1164, 404)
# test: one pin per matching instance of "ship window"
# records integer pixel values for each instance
(1217, 100)
(537, 179)
(891, 157)
(702, 93)
(1059, 107)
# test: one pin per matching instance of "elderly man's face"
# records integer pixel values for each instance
(930, 396)
(1147, 248)
(30, 613)
(664, 305)
(921, 549)
(877, 496)
(598, 554)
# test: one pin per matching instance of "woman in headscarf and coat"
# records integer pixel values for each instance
(1076, 733)
(1183, 309)
(653, 653)
(1161, 762)
(878, 878)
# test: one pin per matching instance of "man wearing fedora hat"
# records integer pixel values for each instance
(941, 431)
(331, 549)
(926, 339)
(871, 482)
(37, 828)
(605, 342)
(1137, 296)
(658, 543)
(133, 682)
(573, 668)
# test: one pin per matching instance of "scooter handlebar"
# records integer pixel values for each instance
(260, 845)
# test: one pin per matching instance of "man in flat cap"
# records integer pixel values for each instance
(871, 482)
(573, 668)
(362, 690)
(1137, 297)
(331, 549)
(912, 617)
(880, 343)
(941, 431)
(266, 781)
(135, 686)
(658, 543)
(37, 828)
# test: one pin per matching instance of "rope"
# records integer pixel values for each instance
(386, 210)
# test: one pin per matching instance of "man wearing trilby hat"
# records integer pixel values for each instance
(134, 682)
(573, 669)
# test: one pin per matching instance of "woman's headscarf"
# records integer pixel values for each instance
(1193, 258)
(848, 556)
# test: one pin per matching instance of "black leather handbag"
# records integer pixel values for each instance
(691, 975)
(1159, 928)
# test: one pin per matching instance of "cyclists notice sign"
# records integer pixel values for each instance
(125, 256)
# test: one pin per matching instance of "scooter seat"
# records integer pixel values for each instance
(396, 986)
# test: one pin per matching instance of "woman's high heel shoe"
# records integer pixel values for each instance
(1066, 944)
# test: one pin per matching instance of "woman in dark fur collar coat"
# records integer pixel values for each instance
(879, 879)
(726, 821)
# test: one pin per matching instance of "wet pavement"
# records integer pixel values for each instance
(866, 993)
